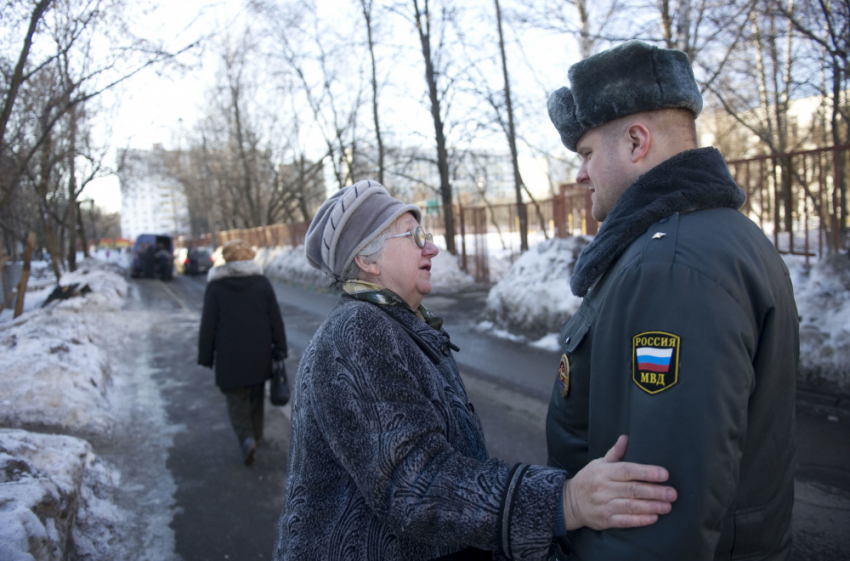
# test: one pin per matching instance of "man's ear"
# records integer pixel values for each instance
(367, 267)
(639, 139)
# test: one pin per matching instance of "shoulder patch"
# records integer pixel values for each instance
(655, 360)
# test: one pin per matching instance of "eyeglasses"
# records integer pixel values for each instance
(420, 236)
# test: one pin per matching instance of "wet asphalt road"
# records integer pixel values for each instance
(225, 510)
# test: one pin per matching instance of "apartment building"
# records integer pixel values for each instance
(151, 202)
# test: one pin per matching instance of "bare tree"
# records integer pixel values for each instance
(324, 66)
(588, 24)
(244, 165)
(825, 24)
(367, 17)
(423, 18)
(55, 75)
(511, 134)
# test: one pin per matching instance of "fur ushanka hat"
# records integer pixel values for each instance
(630, 78)
(350, 219)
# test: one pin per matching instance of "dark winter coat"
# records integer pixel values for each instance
(687, 340)
(387, 458)
(240, 326)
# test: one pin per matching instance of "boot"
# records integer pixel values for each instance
(249, 447)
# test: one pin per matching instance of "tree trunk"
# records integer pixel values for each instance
(70, 224)
(83, 241)
(25, 274)
(248, 193)
(683, 28)
(367, 15)
(520, 205)
(585, 43)
(839, 179)
(424, 29)
(18, 75)
(666, 22)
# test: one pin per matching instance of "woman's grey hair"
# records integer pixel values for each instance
(370, 253)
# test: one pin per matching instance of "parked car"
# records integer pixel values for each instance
(193, 261)
(152, 257)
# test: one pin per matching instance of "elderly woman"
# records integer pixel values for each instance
(241, 328)
(387, 458)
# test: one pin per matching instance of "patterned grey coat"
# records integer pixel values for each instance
(387, 457)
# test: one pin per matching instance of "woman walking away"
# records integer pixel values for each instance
(387, 458)
(241, 331)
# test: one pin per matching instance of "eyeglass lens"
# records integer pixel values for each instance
(420, 236)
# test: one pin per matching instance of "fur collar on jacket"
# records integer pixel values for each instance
(235, 269)
(689, 181)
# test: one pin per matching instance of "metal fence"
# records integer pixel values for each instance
(798, 199)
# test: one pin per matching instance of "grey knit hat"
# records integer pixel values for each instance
(348, 221)
(630, 78)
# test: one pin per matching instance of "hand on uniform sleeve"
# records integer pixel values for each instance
(610, 493)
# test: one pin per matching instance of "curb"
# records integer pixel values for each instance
(817, 403)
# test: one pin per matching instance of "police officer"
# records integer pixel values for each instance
(687, 338)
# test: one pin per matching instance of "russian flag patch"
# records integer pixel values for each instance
(655, 360)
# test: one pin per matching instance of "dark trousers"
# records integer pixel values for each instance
(245, 408)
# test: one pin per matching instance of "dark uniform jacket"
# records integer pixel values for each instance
(387, 459)
(687, 341)
(241, 325)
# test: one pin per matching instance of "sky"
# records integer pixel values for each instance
(156, 108)
(153, 108)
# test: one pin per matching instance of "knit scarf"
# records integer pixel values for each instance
(689, 181)
(377, 294)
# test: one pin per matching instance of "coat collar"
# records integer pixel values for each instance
(377, 294)
(235, 269)
(689, 181)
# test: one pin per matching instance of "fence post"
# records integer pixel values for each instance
(559, 215)
(591, 226)
(462, 237)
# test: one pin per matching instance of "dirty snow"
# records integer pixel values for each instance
(533, 299)
(822, 292)
(534, 295)
(291, 265)
(55, 369)
(64, 383)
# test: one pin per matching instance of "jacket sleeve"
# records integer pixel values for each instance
(389, 436)
(696, 425)
(279, 346)
(209, 324)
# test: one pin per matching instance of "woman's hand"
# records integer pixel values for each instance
(610, 493)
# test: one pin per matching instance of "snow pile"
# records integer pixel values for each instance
(534, 295)
(104, 279)
(446, 275)
(534, 298)
(822, 291)
(62, 351)
(290, 264)
(50, 489)
(55, 494)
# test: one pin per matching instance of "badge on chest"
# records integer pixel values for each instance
(655, 360)
(564, 376)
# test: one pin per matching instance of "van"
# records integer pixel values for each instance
(153, 257)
